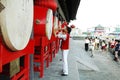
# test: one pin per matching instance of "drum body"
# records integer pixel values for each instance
(43, 21)
(52, 4)
(16, 20)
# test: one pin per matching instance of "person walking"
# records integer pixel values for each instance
(117, 49)
(91, 46)
(86, 44)
(112, 45)
(65, 35)
(103, 47)
(96, 43)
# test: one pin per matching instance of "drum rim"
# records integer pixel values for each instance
(49, 20)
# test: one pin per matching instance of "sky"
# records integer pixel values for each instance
(94, 12)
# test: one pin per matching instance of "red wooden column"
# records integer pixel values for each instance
(27, 65)
(1, 58)
(52, 47)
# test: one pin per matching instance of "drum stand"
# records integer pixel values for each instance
(6, 56)
(52, 48)
(42, 51)
(57, 44)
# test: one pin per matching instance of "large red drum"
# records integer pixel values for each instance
(59, 24)
(52, 4)
(55, 25)
(43, 21)
(16, 22)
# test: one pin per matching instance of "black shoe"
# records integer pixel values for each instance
(92, 56)
(64, 74)
(116, 59)
(62, 71)
(60, 59)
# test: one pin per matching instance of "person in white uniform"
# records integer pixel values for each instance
(92, 46)
(65, 35)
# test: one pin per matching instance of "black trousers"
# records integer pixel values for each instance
(86, 47)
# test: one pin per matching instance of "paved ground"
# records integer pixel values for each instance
(108, 69)
(82, 66)
(55, 69)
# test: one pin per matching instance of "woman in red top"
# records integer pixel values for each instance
(65, 35)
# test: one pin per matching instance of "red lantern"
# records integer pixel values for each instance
(72, 26)
(52, 4)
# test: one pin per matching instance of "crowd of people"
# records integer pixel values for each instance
(104, 45)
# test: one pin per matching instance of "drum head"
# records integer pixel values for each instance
(55, 23)
(16, 22)
(49, 23)
(55, 27)
(59, 24)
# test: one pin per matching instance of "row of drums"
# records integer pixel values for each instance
(17, 18)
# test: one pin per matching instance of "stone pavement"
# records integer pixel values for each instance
(82, 66)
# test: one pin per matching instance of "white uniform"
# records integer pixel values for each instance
(64, 55)
(91, 47)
